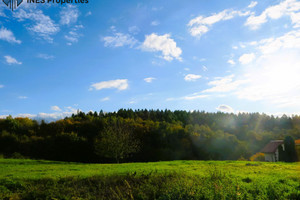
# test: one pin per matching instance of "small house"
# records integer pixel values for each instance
(297, 143)
(274, 151)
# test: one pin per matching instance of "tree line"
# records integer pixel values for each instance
(144, 135)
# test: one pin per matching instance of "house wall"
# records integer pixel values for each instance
(276, 156)
(270, 157)
(298, 151)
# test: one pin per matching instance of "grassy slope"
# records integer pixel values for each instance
(229, 179)
(35, 169)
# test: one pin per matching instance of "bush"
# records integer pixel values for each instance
(17, 155)
(258, 157)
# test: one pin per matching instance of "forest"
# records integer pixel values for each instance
(144, 136)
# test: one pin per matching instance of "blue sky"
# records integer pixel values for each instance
(229, 56)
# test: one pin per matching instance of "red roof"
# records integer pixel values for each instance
(297, 142)
(272, 146)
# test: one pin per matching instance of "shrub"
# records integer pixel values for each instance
(17, 155)
(258, 157)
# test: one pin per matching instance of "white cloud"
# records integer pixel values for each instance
(10, 60)
(22, 97)
(73, 35)
(105, 99)
(1, 86)
(149, 80)
(254, 22)
(132, 102)
(290, 40)
(231, 62)
(8, 36)
(164, 44)
(199, 59)
(170, 99)
(201, 25)
(49, 117)
(43, 25)
(71, 109)
(155, 23)
(192, 77)
(45, 56)
(2, 14)
(26, 116)
(193, 97)
(252, 4)
(134, 30)
(119, 40)
(55, 108)
(225, 108)
(69, 15)
(289, 8)
(88, 14)
(247, 58)
(224, 84)
(157, 8)
(120, 84)
(204, 68)
(52, 116)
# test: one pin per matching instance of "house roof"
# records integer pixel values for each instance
(272, 146)
(297, 142)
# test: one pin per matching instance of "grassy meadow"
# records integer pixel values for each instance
(34, 179)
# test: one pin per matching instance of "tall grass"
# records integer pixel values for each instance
(215, 185)
(26, 179)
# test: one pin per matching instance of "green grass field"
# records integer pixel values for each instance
(31, 179)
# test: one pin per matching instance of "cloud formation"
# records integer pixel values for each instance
(105, 99)
(55, 108)
(69, 15)
(11, 61)
(252, 4)
(119, 40)
(120, 84)
(155, 23)
(288, 8)
(231, 62)
(164, 44)
(192, 77)
(42, 24)
(48, 117)
(247, 58)
(149, 80)
(8, 36)
(45, 56)
(225, 108)
(196, 96)
(73, 35)
(224, 84)
(290, 40)
(134, 30)
(201, 25)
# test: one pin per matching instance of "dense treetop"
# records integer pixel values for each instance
(158, 135)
